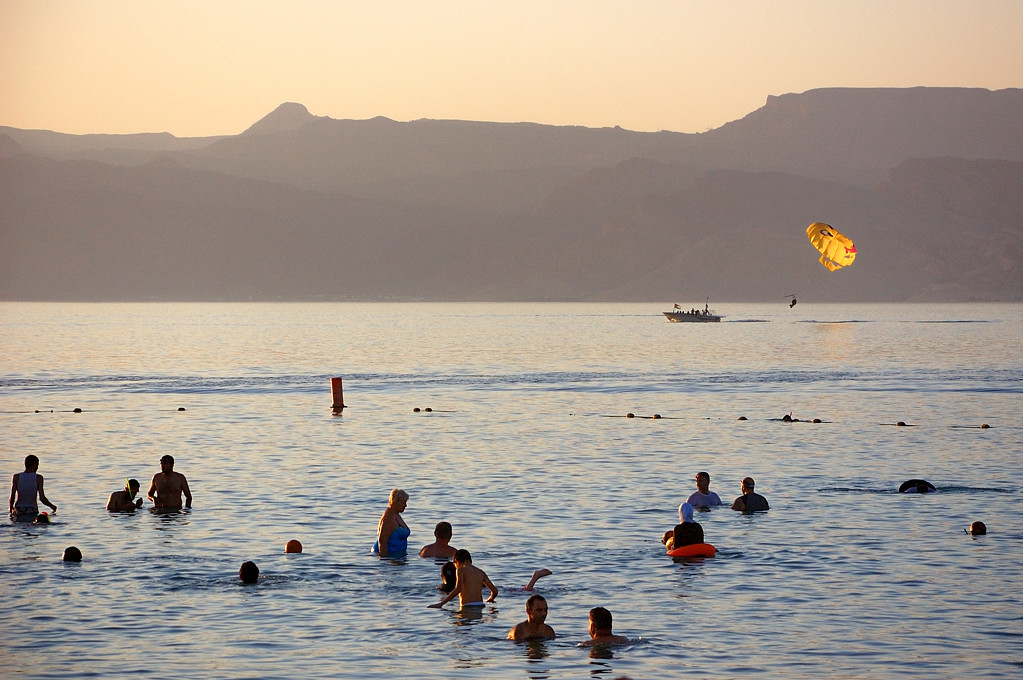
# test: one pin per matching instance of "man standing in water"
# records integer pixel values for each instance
(533, 628)
(167, 487)
(703, 497)
(750, 501)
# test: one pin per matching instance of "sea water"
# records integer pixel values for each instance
(528, 451)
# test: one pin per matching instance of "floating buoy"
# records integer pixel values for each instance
(77, 410)
(416, 410)
(293, 546)
(428, 409)
(630, 415)
(901, 424)
(337, 394)
(656, 416)
(181, 408)
(816, 420)
(984, 426)
(743, 418)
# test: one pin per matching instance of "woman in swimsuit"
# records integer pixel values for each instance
(392, 532)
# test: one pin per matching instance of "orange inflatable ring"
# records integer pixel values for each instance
(694, 550)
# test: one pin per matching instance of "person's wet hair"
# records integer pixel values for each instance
(448, 575)
(601, 618)
(978, 529)
(442, 530)
(249, 572)
(462, 555)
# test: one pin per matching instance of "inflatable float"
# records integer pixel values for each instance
(694, 550)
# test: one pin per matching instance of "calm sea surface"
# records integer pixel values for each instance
(528, 453)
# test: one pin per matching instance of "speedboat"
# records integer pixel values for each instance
(705, 315)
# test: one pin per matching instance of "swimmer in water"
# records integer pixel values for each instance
(916, 486)
(447, 577)
(750, 501)
(703, 497)
(534, 627)
(440, 547)
(26, 487)
(249, 572)
(537, 575)
(167, 486)
(600, 630)
(687, 532)
(124, 500)
(470, 581)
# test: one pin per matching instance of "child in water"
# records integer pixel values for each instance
(470, 581)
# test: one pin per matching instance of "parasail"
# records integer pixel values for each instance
(836, 250)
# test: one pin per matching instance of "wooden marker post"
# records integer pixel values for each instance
(337, 394)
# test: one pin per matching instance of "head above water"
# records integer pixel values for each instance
(448, 575)
(132, 486)
(397, 497)
(71, 554)
(442, 531)
(248, 572)
(685, 513)
(702, 481)
(462, 557)
(978, 529)
(748, 483)
(600, 620)
(536, 608)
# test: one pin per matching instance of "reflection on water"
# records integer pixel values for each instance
(843, 576)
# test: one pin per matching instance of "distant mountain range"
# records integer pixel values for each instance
(927, 181)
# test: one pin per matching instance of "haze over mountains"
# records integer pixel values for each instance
(927, 181)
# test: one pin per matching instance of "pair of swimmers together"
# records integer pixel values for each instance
(461, 578)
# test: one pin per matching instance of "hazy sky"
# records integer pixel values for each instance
(211, 67)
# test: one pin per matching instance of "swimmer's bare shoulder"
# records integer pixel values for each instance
(527, 631)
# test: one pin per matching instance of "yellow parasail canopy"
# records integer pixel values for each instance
(836, 250)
